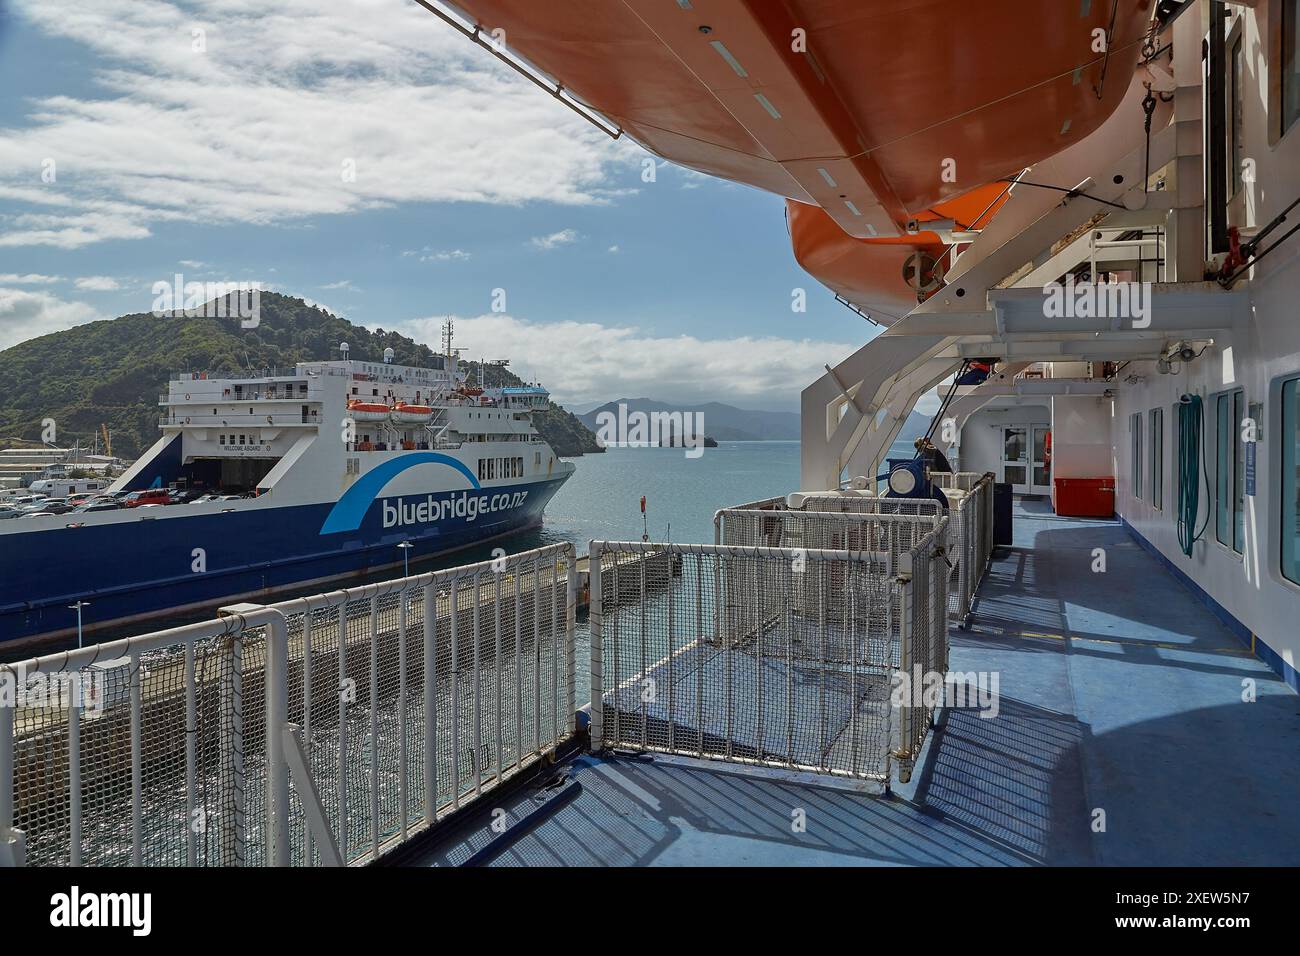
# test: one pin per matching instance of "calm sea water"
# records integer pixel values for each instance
(603, 498)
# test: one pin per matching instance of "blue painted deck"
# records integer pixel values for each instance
(1119, 693)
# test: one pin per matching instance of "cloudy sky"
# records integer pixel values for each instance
(362, 154)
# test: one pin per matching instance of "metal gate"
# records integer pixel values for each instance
(777, 656)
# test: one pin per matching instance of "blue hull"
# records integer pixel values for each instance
(143, 568)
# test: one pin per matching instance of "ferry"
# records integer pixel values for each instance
(284, 479)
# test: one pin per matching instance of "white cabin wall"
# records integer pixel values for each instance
(1081, 442)
(1249, 586)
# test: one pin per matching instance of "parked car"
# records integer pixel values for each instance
(150, 496)
(102, 504)
(204, 499)
(8, 512)
(54, 506)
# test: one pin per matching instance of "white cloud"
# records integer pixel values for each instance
(427, 254)
(195, 264)
(97, 283)
(343, 284)
(321, 305)
(30, 278)
(267, 126)
(556, 239)
(26, 315)
(613, 250)
(621, 361)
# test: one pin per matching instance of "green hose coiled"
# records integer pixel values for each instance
(1191, 456)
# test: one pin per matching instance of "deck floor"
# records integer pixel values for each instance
(1120, 694)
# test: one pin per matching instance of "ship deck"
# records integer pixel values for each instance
(1120, 694)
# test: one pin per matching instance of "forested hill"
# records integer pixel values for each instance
(113, 371)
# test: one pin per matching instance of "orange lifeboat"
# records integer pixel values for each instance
(407, 414)
(368, 411)
(873, 273)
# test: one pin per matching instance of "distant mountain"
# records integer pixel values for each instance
(916, 425)
(113, 371)
(723, 422)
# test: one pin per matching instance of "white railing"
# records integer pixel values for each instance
(236, 420)
(324, 730)
(776, 656)
(971, 540)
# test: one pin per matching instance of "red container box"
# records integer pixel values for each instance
(1084, 497)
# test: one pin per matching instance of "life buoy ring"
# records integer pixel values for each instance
(270, 420)
(187, 419)
(187, 396)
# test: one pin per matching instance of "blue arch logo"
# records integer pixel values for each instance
(350, 510)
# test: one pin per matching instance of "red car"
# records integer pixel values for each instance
(150, 496)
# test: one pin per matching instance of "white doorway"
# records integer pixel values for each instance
(1027, 458)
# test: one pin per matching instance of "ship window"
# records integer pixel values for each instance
(1230, 471)
(1234, 90)
(1157, 458)
(1135, 431)
(221, 439)
(1290, 63)
(241, 439)
(1291, 479)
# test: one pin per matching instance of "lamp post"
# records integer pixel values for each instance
(406, 547)
(77, 607)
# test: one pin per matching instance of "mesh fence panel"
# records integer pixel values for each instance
(503, 694)
(777, 656)
(970, 540)
(170, 740)
(167, 768)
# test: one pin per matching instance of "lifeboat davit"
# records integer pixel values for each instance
(368, 411)
(405, 414)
